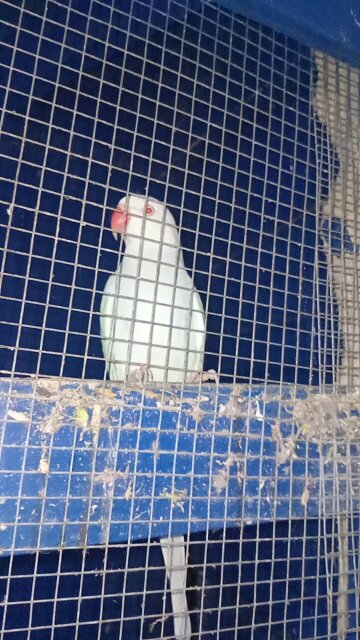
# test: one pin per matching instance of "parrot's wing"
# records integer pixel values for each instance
(114, 330)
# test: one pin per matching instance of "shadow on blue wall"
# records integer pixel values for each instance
(255, 596)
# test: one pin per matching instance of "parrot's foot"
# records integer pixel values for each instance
(203, 376)
(140, 375)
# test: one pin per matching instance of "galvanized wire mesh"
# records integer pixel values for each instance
(251, 141)
(220, 127)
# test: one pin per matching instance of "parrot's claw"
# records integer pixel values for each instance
(203, 376)
(140, 376)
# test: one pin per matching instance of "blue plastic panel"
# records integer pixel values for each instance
(329, 25)
(83, 464)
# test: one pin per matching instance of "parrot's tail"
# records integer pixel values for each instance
(173, 550)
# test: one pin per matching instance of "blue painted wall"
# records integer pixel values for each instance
(58, 587)
(72, 158)
(262, 175)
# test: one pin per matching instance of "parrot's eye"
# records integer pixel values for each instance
(149, 210)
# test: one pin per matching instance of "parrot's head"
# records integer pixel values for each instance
(141, 217)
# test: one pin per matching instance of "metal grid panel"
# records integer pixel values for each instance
(267, 501)
(252, 142)
(223, 131)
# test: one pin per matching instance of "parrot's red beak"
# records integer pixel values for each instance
(119, 220)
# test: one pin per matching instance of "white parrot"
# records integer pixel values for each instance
(152, 325)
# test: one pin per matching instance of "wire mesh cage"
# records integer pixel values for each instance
(180, 405)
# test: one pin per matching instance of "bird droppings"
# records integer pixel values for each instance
(305, 497)
(286, 445)
(195, 412)
(109, 476)
(81, 417)
(167, 406)
(177, 497)
(258, 413)
(129, 494)
(221, 479)
(95, 421)
(174, 403)
(44, 463)
(53, 422)
(321, 417)
(129, 425)
(109, 396)
(19, 416)
(155, 449)
(237, 406)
